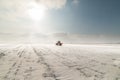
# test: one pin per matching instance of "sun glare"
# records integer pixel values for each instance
(37, 12)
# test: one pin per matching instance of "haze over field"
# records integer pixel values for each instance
(67, 38)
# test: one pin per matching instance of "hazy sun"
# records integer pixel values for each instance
(37, 12)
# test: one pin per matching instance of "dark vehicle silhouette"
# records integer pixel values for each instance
(59, 43)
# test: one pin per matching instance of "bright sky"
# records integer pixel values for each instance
(69, 16)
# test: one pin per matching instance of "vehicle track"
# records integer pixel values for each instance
(49, 74)
(29, 62)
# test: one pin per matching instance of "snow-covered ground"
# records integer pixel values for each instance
(68, 62)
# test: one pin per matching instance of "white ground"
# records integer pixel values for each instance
(69, 62)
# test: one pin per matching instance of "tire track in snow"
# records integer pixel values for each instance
(46, 52)
(13, 70)
(49, 74)
(85, 71)
(58, 65)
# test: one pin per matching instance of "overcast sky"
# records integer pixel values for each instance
(52, 16)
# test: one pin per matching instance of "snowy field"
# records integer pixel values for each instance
(68, 62)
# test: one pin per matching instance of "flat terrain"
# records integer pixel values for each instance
(68, 62)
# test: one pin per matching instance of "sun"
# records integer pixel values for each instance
(37, 12)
